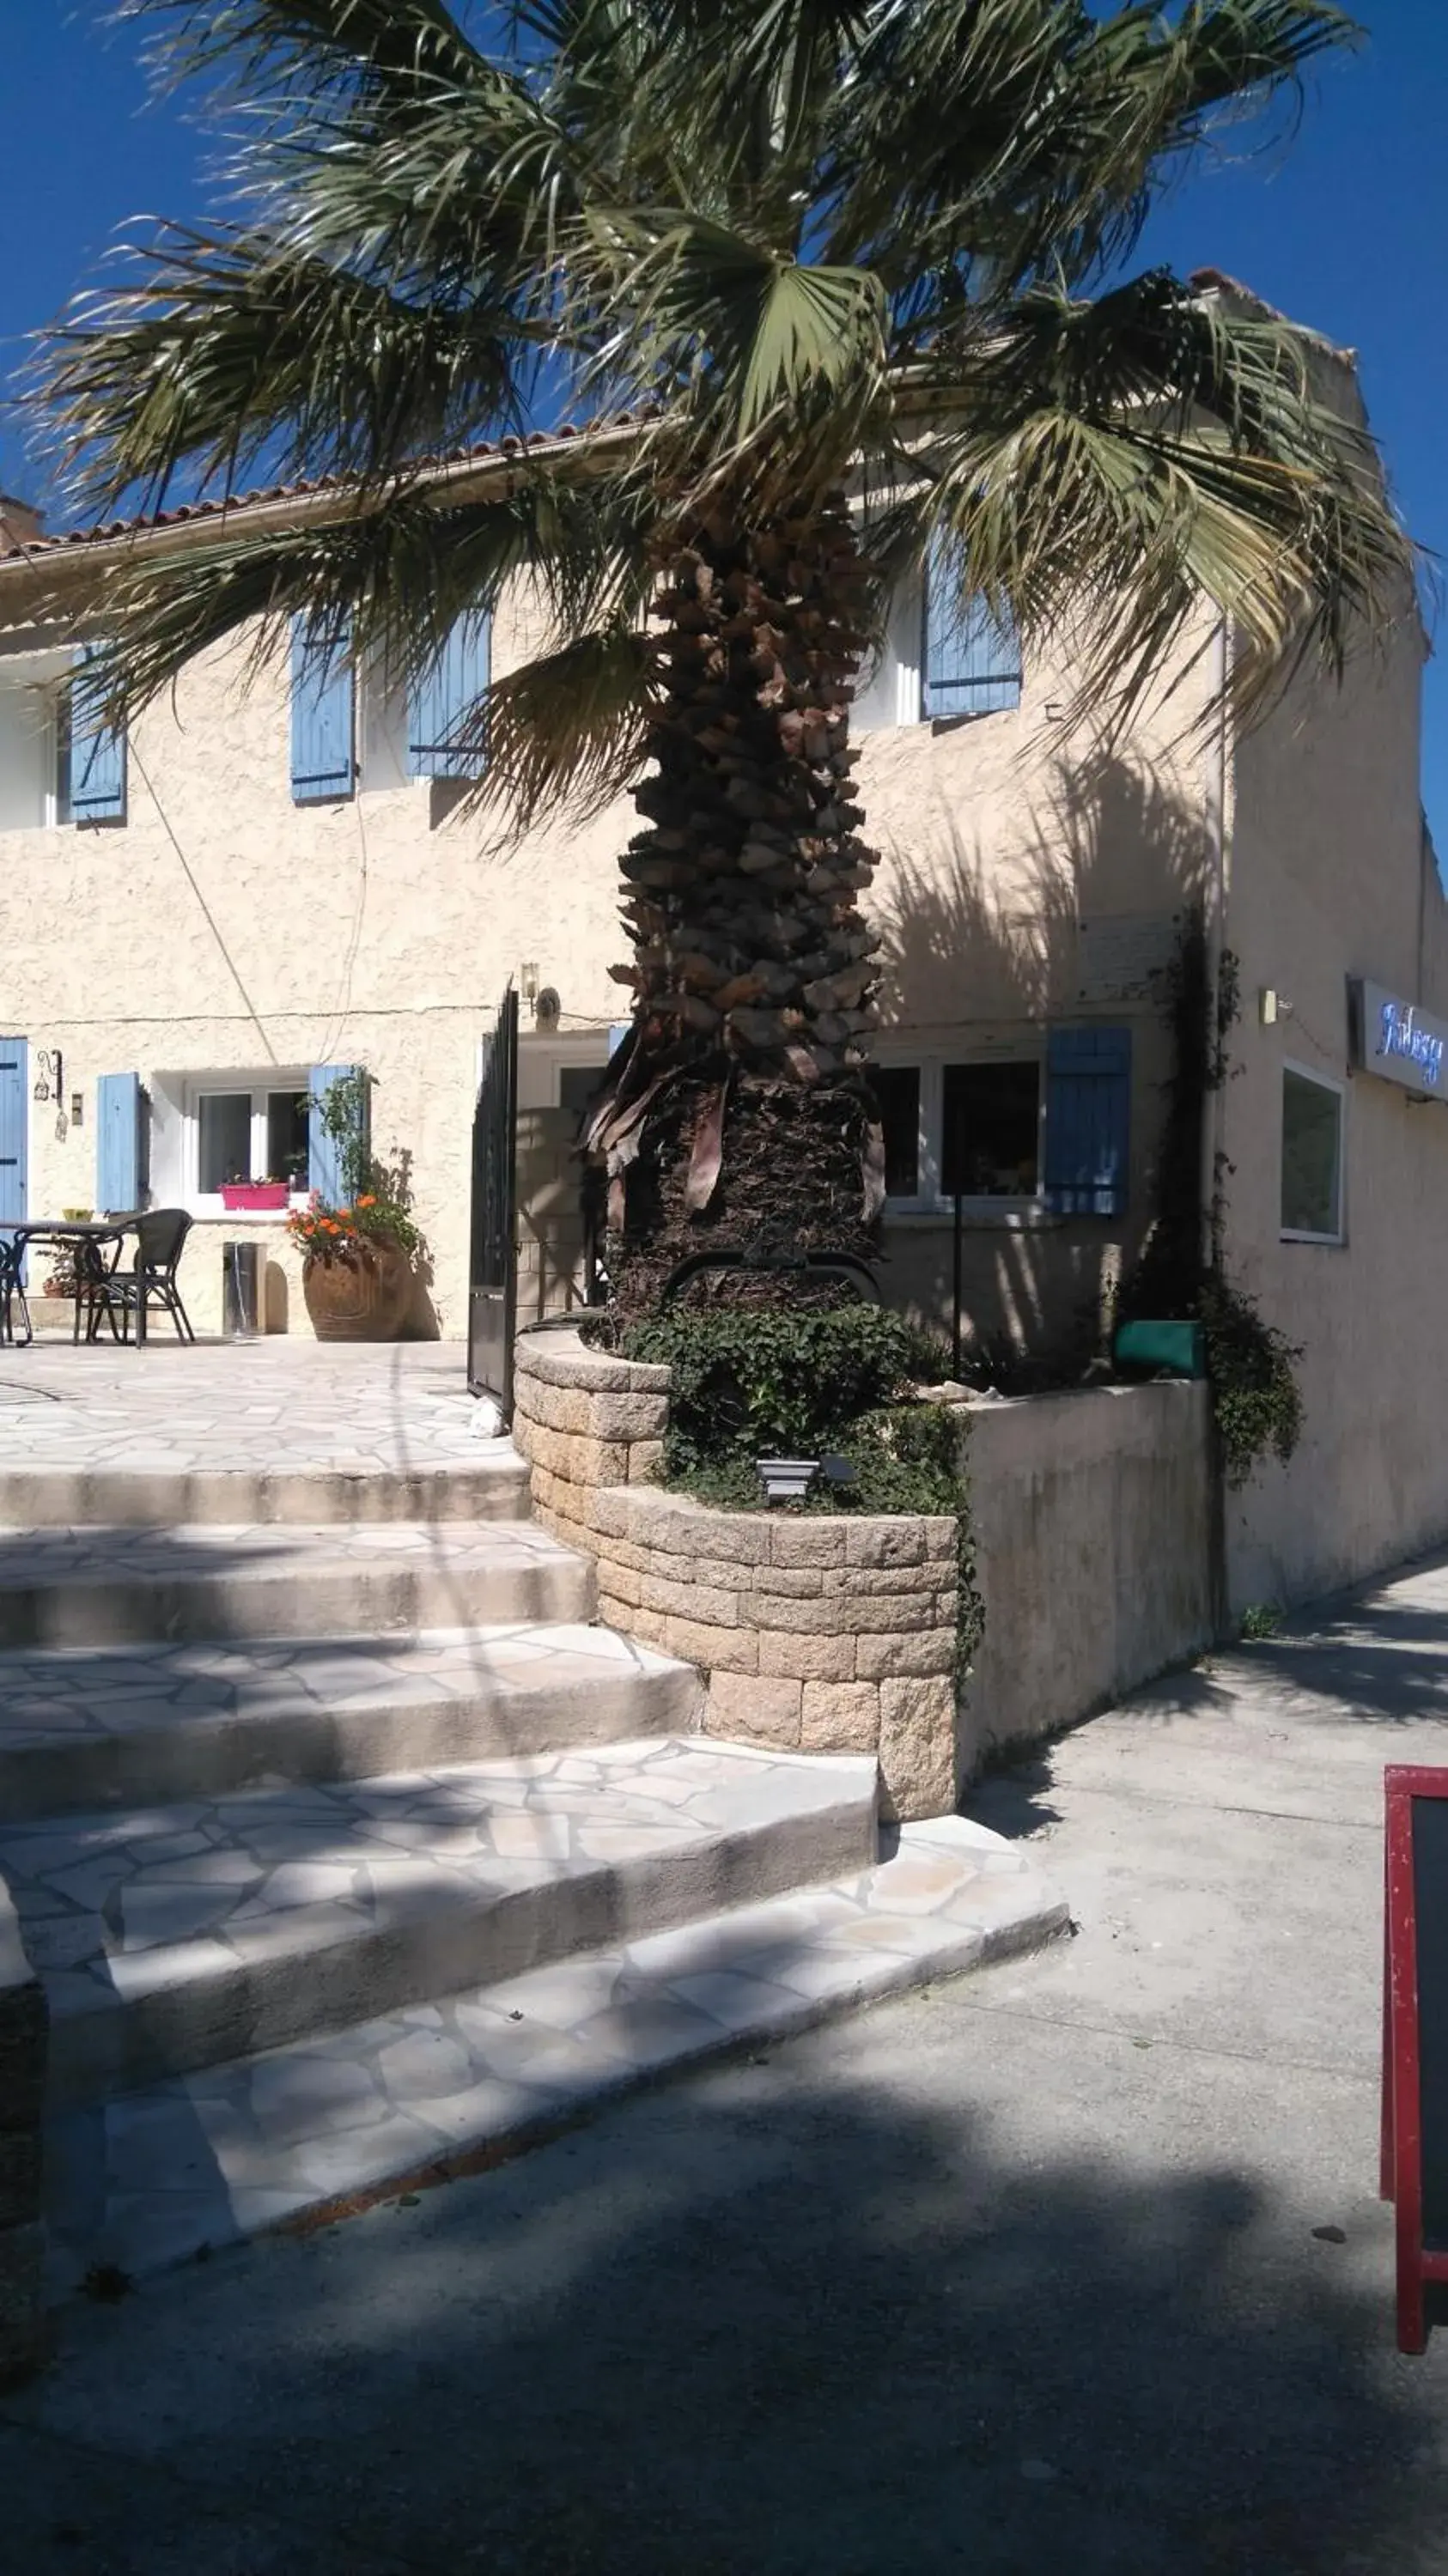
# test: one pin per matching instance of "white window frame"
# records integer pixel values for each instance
(929, 1200)
(43, 676)
(1324, 1082)
(199, 1086)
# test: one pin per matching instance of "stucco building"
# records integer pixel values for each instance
(275, 877)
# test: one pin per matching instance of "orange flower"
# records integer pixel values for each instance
(367, 1202)
(330, 1227)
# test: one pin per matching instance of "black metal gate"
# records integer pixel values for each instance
(493, 1266)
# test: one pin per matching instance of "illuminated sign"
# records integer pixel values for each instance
(1400, 1042)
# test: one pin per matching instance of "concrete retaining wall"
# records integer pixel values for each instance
(1092, 1516)
(23, 2032)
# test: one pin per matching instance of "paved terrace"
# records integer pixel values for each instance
(280, 1403)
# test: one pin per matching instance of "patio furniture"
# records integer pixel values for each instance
(86, 1242)
(12, 1292)
(151, 1280)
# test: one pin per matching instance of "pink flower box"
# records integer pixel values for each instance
(252, 1197)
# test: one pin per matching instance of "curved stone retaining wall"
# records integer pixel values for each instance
(830, 1634)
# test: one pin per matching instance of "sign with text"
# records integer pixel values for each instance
(1414, 2173)
(1398, 1041)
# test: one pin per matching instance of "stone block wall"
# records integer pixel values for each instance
(826, 1634)
(23, 2037)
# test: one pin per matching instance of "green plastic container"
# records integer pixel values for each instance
(1179, 1348)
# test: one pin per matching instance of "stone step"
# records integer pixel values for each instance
(161, 1497)
(116, 1587)
(416, 2097)
(178, 1937)
(144, 1725)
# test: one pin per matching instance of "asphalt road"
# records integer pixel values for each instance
(1075, 2265)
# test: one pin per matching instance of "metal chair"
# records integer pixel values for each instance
(12, 1289)
(151, 1280)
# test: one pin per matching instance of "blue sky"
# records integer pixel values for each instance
(1345, 228)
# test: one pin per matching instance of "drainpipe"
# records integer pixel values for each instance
(1213, 1122)
(1216, 914)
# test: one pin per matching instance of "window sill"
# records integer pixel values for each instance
(1323, 1242)
(1010, 1216)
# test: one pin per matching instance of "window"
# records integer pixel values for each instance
(990, 1130)
(1035, 1126)
(897, 1090)
(211, 1129)
(577, 1084)
(1311, 1157)
(972, 662)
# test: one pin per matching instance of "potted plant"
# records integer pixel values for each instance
(357, 1276)
(252, 1197)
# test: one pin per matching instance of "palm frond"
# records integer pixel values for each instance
(568, 730)
(236, 351)
(1111, 465)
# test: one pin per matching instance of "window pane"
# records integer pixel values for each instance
(577, 1084)
(897, 1089)
(288, 1138)
(225, 1144)
(991, 1130)
(1311, 1156)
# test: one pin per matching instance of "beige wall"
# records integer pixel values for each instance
(223, 926)
(1329, 877)
(1091, 1518)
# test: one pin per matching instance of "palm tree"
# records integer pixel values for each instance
(846, 268)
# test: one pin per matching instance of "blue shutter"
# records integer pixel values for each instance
(972, 662)
(118, 1142)
(323, 752)
(1088, 1121)
(442, 732)
(14, 1128)
(97, 759)
(324, 1152)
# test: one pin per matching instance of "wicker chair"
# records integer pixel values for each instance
(149, 1283)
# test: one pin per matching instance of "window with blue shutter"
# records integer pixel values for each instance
(1088, 1121)
(444, 738)
(971, 662)
(324, 762)
(324, 1156)
(97, 758)
(120, 1180)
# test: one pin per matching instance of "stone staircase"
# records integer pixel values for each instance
(348, 1849)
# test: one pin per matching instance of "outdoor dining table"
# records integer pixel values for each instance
(90, 1238)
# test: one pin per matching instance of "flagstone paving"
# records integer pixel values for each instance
(279, 1402)
(203, 2159)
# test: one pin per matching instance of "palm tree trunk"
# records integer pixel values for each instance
(742, 1119)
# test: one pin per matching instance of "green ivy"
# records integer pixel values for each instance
(775, 1383)
(811, 1384)
(1256, 1400)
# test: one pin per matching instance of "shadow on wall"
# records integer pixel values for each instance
(982, 947)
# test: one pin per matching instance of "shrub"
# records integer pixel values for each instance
(750, 1384)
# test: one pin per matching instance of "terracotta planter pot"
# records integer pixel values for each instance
(359, 1301)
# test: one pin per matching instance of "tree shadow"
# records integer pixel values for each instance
(850, 2309)
(982, 945)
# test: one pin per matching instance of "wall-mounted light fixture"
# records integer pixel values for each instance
(77, 1107)
(49, 1074)
(528, 982)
